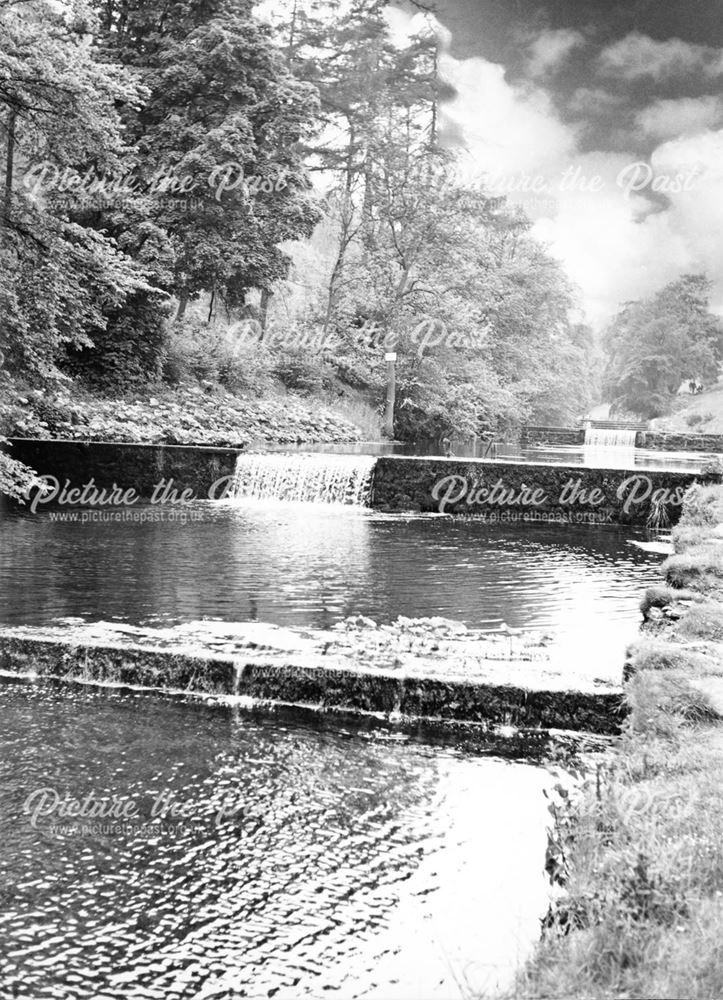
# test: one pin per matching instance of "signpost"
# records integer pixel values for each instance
(390, 357)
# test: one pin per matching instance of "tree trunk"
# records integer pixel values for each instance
(264, 310)
(9, 167)
(182, 303)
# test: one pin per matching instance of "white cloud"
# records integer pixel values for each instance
(506, 128)
(638, 56)
(682, 117)
(550, 50)
(614, 246)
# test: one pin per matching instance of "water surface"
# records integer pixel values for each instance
(346, 863)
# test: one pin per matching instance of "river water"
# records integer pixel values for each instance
(310, 565)
(304, 860)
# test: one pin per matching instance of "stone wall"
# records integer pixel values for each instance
(503, 491)
(128, 466)
(568, 436)
(661, 441)
(512, 492)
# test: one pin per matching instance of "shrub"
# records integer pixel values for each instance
(301, 372)
(129, 351)
(16, 479)
(196, 351)
(702, 505)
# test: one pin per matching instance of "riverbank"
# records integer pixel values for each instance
(195, 414)
(637, 853)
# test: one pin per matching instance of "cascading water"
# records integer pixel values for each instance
(609, 437)
(305, 478)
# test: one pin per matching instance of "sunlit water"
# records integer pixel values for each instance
(312, 566)
(346, 864)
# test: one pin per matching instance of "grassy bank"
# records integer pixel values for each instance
(702, 413)
(637, 854)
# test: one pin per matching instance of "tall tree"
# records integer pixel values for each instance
(218, 141)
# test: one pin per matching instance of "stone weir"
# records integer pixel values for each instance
(493, 491)
(138, 466)
(425, 669)
(510, 492)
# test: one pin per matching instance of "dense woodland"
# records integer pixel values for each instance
(198, 191)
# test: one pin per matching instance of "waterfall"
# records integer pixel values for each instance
(305, 478)
(609, 437)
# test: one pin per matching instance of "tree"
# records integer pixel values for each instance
(59, 107)
(224, 119)
(655, 344)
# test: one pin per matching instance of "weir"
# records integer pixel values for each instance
(609, 437)
(305, 478)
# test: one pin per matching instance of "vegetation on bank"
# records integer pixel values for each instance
(638, 850)
(190, 414)
(701, 413)
(655, 345)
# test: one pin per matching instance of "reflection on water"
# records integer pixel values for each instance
(306, 565)
(354, 865)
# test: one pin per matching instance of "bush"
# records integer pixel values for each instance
(702, 505)
(129, 351)
(197, 352)
(15, 478)
(305, 373)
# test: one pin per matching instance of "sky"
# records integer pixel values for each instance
(605, 121)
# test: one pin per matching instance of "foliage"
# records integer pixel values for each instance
(58, 104)
(224, 119)
(655, 344)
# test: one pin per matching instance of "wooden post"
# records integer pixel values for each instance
(390, 359)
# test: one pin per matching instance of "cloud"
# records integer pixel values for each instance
(549, 50)
(614, 245)
(682, 117)
(592, 101)
(505, 127)
(638, 57)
